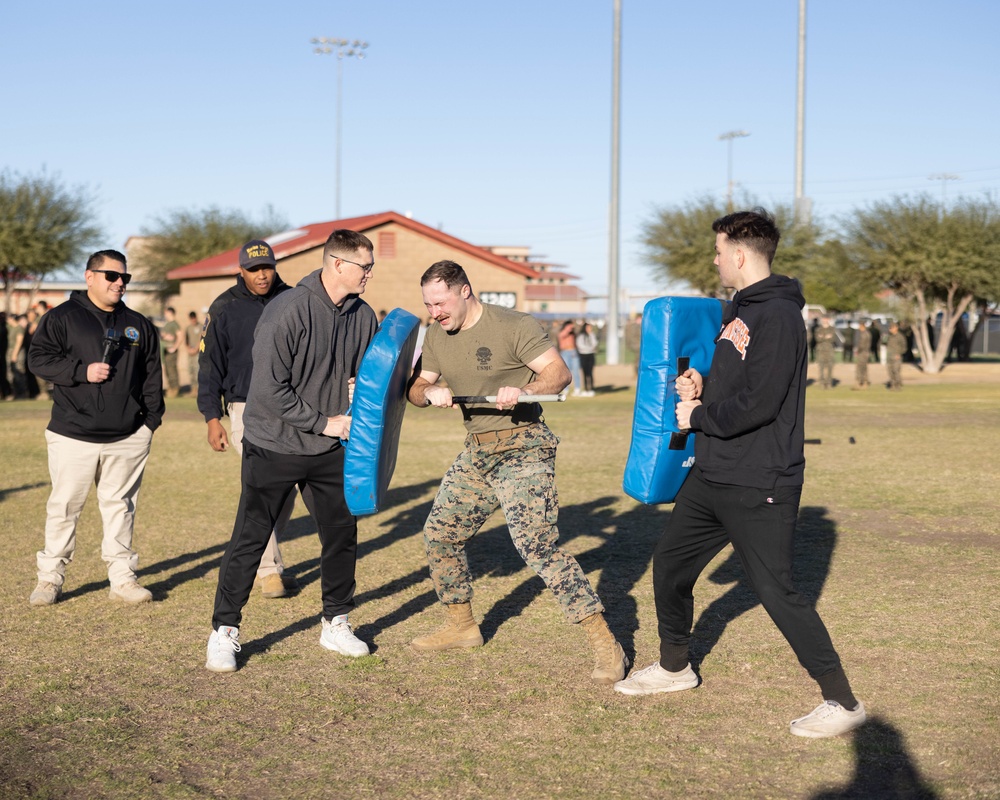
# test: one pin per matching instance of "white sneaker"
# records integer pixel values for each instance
(654, 679)
(223, 645)
(828, 719)
(338, 636)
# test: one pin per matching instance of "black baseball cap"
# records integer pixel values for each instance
(257, 253)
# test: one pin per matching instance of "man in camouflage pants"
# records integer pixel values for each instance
(862, 352)
(508, 461)
(825, 337)
(895, 348)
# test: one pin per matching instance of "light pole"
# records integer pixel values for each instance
(728, 139)
(341, 48)
(612, 340)
(801, 206)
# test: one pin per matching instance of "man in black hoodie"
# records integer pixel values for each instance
(103, 360)
(744, 489)
(224, 369)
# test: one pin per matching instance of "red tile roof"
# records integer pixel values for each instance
(290, 243)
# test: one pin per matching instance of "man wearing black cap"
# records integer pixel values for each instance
(306, 352)
(225, 363)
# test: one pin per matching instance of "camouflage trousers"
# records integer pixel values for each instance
(861, 370)
(516, 474)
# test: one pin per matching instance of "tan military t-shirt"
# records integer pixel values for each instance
(479, 361)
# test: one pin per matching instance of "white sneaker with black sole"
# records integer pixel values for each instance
(829, 718)
(338, 636)
(654, 679)
(223, 645)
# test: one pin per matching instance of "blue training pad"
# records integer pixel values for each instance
(377, 412)
(673, 328)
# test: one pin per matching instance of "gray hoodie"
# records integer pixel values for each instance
(305, 349)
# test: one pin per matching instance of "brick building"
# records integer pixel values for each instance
(404, 248)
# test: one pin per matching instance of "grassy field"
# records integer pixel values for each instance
(899, 542)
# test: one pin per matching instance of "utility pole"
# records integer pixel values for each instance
(341, 48)
(944, 177)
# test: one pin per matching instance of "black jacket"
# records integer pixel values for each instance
(751, 421)
(225, 362)
(69, 338)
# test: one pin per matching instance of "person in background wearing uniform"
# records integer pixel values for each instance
(192, 342)
(170, 333)
(508, 461)
(862, 352)
(226, 363)
(825, 337)
(103, 360)
(307, 349)
(895, 350)
(744, 488)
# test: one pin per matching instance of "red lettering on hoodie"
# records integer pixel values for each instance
(739, 334)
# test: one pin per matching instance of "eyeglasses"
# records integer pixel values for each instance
(365, 267)
(111, 276)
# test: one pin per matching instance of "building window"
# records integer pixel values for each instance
(387, 244)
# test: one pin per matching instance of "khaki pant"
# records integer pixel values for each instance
(116, 468)
(271, 562)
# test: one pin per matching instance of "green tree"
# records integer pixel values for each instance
(680, 245)
(44, 227)
(938, 261)
(183, 236)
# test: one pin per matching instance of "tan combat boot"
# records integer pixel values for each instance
(610, 661)
(461, 631)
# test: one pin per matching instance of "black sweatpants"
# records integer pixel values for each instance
(761, 526)
(268, 478)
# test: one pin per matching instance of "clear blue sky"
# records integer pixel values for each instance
(492, 119)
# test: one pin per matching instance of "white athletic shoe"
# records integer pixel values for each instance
(828, 719)
(654, 679)
(338, 636)
(223, 645)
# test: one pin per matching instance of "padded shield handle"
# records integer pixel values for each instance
(678, 439)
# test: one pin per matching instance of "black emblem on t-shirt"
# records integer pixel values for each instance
(484, 355)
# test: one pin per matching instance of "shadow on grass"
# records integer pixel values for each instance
(406, 523)
(5, 493)
(815, 541)
(883, 768)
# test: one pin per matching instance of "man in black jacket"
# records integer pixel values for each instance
(745, 486)
(103, 360)
(225, 366)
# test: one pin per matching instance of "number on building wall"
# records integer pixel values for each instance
(505, 299)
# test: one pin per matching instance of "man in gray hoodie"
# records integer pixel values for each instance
(307, 349)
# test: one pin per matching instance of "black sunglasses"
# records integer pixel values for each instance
(111, 276)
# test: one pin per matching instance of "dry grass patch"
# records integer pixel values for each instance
(897, 541)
